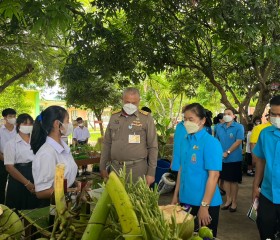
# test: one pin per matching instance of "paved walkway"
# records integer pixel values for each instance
(234, 226)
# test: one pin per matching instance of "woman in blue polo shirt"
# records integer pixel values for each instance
(200, 163)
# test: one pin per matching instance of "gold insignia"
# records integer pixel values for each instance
(117, 111)
(143, 112)
(195, 147)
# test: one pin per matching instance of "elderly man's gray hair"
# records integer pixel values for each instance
(131, 90)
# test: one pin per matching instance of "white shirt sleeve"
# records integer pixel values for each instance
(10, 153)
(43, 170)
(75, 135)
(88, 134)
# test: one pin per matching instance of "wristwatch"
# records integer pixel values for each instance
(204, 204)
(228, 152)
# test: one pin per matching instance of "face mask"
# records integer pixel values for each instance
(26, 129)
(275, 121)
(191, 127)
(227, 118)
(129, 108)
(68, 129)
(258, 123)
(12, 120)
(81, 125)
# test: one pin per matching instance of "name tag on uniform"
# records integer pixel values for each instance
(134, 138)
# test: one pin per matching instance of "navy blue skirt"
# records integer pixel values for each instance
(232, 172)
(18, 196)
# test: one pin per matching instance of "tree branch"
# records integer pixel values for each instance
(29, 69)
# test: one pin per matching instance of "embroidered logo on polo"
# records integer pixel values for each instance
(193, 159)
(231, 135)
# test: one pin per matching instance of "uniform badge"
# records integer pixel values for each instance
(195, 147)
(193, 158)
(231, 135)
(116, 121)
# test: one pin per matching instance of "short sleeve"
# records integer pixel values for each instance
(240, 133)
(75, 133)
(255, 135)
(258, 149)
(10, 153)
(179, 135)
(43, 170)
(213, 155)
(88, 134)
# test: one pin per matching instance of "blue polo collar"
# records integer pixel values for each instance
(57, 146)
(231, 125)
(275, 130)
(197, 135)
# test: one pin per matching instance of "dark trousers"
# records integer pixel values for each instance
(3, 181)
(268, 219)
(214, 213)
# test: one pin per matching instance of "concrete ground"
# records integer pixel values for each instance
(233, 226)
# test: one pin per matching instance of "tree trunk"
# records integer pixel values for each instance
(263, 100)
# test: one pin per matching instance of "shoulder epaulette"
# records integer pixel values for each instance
(116, 111)
(143, 112)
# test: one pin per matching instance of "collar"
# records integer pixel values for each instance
(275, 130)
(3, 126)
(124, 115)
(231, 125)
(57, 146)
(198, 135)
(18, 138)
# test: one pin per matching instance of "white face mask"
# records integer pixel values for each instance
(275, 121)
(26, 129)
(68, 129)
(227, 118)
(191, 127)
(81, 125)
(12, 120)
(129, 108)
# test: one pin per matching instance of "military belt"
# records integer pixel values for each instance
(127, 163)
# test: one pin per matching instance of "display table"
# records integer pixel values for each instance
(87, 161)
(38, 218)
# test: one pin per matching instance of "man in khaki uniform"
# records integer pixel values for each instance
(131, 138)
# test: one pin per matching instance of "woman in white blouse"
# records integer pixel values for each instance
(18, 162)
(49, 150)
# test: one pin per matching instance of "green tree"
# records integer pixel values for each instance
(14, 97)
(235, 45)
(84, 88)
(32, 42)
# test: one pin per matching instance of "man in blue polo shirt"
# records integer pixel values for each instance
(230, 135)
(267, 153)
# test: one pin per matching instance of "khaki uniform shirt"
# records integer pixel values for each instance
(117, 144)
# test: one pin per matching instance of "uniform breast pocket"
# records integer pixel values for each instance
(115, 132)
(139, 131)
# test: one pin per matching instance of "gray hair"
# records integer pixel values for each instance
(131, 91)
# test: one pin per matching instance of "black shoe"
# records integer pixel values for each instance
(226, 207)
(232, 209)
